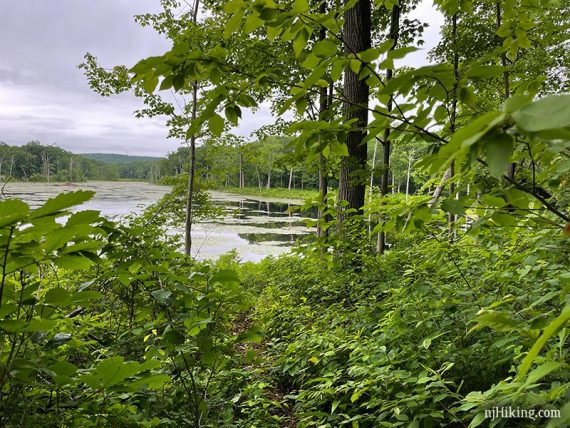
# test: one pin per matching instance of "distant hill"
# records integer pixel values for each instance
(115, 158)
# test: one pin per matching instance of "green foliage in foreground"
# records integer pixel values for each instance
(428, 335)
(105, 324)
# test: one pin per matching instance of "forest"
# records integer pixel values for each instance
(36, 162)
(434, 289)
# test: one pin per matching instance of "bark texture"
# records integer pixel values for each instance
(352, 180)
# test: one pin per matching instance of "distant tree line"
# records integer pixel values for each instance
(268, 162)
(273, 162)
(50, 163)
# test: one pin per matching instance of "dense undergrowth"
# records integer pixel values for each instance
(107, 324)
(395, 343)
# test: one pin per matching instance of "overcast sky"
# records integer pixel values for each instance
(44, 97)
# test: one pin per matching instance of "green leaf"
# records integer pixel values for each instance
(252, 23)
(496, 320)
(216, 124)
(233, 5)
(549, 113)
(225, 276)
(493, 201)
(466, 95)
(166, 83)
(324, 48)
(369, 55)
(233, 24)
(7, 309)
(401, 52)
(85, 296)
(478, 420)
(150, 81)
(12, 211)
(548, 332)
(12, 326)
(233, 114)
(57, 238)
(563, 420)
(485, 71)
(476, 129)
(162, 295)
(252, 334)
(357, 394)
(58, 297)
(355, 65)
(273, 32)
(150, 382)
(63, 368)
(40, 325)
(337, 69)
(114, 370)
(73, 262)
(440, 114)
(453, 206)
(515, 102)
(61, 202)
(339, 149)
(84, 217)
(173, 337)
(542, 371)
(300, 41)
(517, 198)
(499, 150)
(301, 6)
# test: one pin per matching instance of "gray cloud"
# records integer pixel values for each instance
(43, 96)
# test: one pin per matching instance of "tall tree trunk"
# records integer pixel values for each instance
(510, 173)
(269, 179)
(394, 32)
(408, 176)
(372, 167)
(352, 179)
(71, 169)
(290, 178)
(241, 172)
(452, 120)
(190, 197)
(450, 172)
(439, 189)
(323, 108)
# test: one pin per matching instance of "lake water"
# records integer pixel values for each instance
(254, 227)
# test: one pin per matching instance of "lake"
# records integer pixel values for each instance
(254, 227)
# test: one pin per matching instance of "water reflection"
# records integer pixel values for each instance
(246, 208)
(254, 228)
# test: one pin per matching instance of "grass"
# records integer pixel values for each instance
(276, 192)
